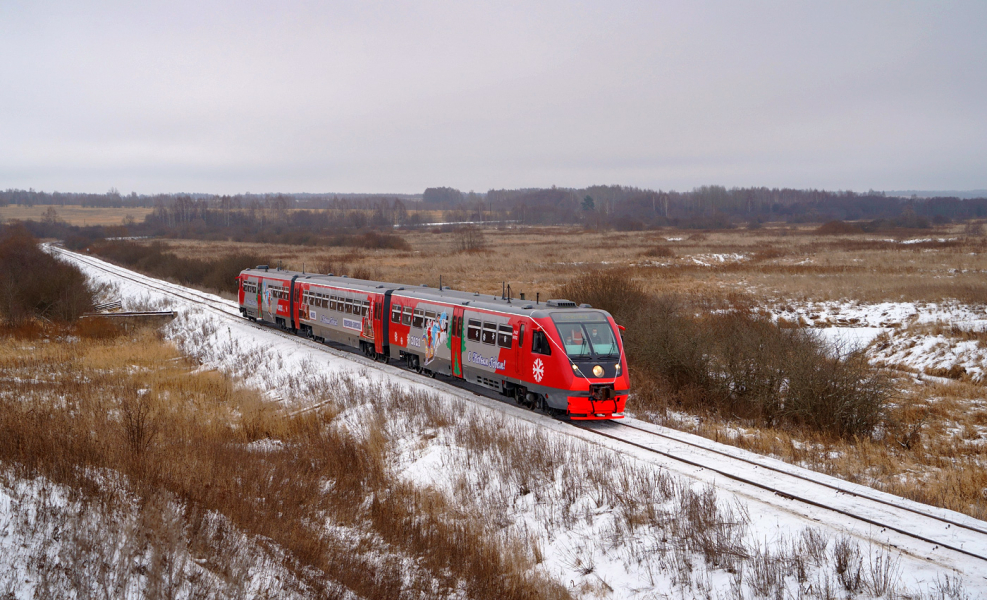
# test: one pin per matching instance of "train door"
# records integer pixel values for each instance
(260, 290)
(456, 341)
(519, 336)
(294, 302)
(377, 321)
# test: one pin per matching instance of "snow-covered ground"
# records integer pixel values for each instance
(607, 521)
(54, 546)
(925, 337)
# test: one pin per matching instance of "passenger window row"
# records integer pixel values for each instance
(490, 333)
(414, 317)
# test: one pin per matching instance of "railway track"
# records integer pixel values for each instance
(940, 529)
(926, 532)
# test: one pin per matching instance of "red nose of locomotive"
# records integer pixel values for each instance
(596, 382)
(599, 394)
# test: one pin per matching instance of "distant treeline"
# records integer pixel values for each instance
(706, 207)
(113, 199)
(322, 220)
(716, 207)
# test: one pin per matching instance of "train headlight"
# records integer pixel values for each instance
(598, 371)
(617, 366)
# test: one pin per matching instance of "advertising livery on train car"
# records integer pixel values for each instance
(552, 356)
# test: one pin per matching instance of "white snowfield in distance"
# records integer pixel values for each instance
(583, 551)
(905, 334)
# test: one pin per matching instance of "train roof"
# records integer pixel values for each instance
(447, 295)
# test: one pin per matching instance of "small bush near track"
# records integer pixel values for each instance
(735, 362)
(217, 273)
(35, 284)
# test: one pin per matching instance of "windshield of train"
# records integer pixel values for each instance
(586, 335)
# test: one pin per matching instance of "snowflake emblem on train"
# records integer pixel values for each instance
(538, 370)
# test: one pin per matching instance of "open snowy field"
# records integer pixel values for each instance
(602, 518)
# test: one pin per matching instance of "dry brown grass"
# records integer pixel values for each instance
(132, 405)
(776, 261)
(75, 214)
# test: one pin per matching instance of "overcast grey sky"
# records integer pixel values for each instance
(397, 96)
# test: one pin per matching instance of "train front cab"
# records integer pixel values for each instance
(587, 354)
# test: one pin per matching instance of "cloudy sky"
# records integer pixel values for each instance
(398, 96)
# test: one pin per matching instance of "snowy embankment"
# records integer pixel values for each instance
(930, 338)
(601, 521)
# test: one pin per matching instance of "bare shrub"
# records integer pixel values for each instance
(949, 587)
(374, 240)
(735, 361)
(837, 228)
(883, 571)
(658, 252)
(37, 285)
(139, 424)
(470, 238)
(217, 273)
(812, 544)
(843, 395)
(848, 564)
(613, 290)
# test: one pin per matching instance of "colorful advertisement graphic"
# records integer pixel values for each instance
(436, 332)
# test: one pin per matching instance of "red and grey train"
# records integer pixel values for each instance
(552, 355)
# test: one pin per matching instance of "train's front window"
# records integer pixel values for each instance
(586, 334)
(575, 340)
(602, 339)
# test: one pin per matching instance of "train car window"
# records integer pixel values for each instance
(505, 333)
(489, 333)
(406, 319)
(395, 313)
(332, 303)
(539, 344)
(366, 307)
(325, 303)
(473, 331)
(419, 320)
(429, 316)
